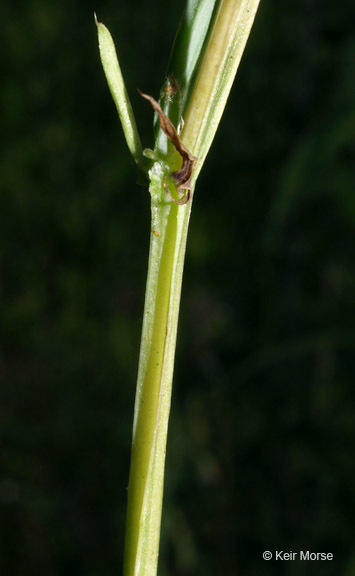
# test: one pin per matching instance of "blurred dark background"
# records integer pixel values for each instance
(262, 434)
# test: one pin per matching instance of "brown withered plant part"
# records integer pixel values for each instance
(182, 177)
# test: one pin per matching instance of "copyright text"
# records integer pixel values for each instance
(303, 555)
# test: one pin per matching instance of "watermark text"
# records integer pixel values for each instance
(301, 555)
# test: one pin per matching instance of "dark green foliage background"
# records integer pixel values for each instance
(261, 444)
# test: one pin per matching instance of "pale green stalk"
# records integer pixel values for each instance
(227, 39)
(219, 57)
(145, 491)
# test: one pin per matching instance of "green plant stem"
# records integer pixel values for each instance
(145, 491)
(224, 46)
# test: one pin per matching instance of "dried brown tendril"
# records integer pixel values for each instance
(182, 177)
